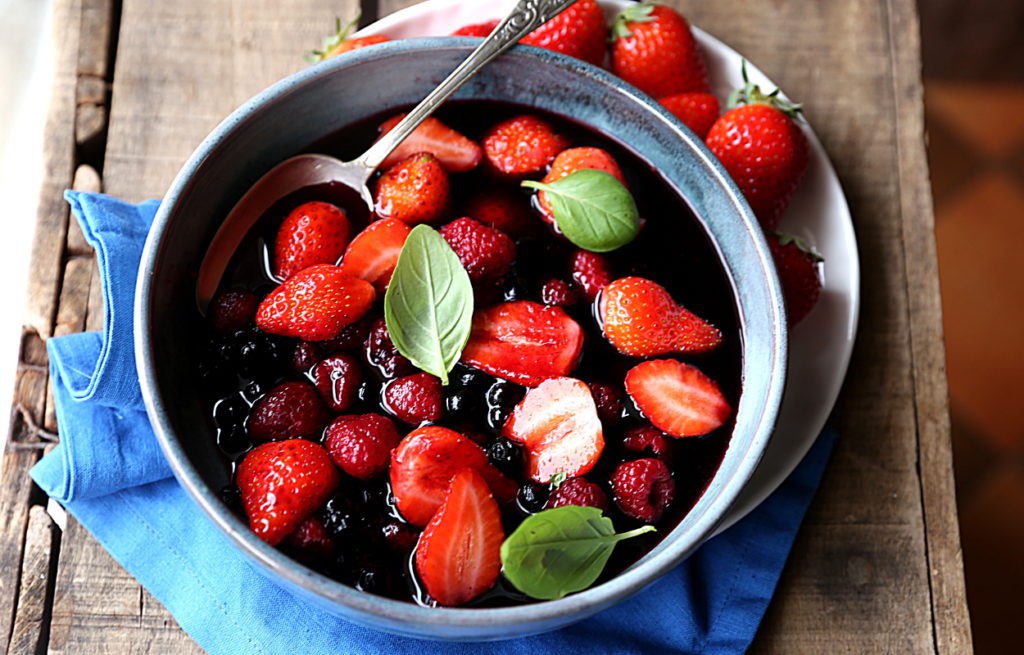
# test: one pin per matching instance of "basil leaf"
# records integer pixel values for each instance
(560, 551)
(593, 209)
(428, 306)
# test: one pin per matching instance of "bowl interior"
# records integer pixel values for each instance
(306, 107)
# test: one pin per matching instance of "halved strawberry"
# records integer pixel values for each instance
(640, 318)
(372, 255)
(677, 398)
(458, 557)
(456, 152)
(423, 464)
(524, 342)
(315, 304)
(557, 422)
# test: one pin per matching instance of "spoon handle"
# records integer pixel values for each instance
(525, 17)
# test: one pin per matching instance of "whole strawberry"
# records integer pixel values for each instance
(698, 111)
(570, 161)
(579, 32)
(315, 304)
(477, 29)
(797, 265)
(283, 483)
(415, 190)
(654, 50)
(340, 43)
(361, 444)
(291, 409)
(763, 149)
(640, 318)
(313, 233)
(522, 146)
(485, 252)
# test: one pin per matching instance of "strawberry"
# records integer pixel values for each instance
(415, 398)
(315, 304)
(763, 148)
(524, 342)
(641, 319)
(579, 31)
(485, 252)
(558, 293)
(283, 483)
(305, 356)
(677, 398)
(698, 111)
(557, 423)
(654, 50)
(360, 445)
(232, 310)
(372, 255)
(477, 29)
(522, 146)
(337, 378)
(424, 463)
(456, 152)
(458, 556)
(415, 190)
(797, 264)
(313, 233)
(568, 162)
(339, 43)
(291, 409)
(591, 272)
(502, 209)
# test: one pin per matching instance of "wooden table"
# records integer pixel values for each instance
(876, 567)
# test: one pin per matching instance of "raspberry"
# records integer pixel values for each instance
(337, 378)
(310, 542)
(609, 402)
(382, 354)
(559, 293)
(305, 355)
(579, 491)
(643, 488)
(645, 439)
(414, 398)
(350, 338)
(293, 409)
(361, 445)
(398, 536)
(232, 310)
(591, 272)
(485, 252)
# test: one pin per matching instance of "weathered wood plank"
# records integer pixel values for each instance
(31, 626)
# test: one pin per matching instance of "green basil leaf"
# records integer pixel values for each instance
(560, 551)
(428, 306)
(592, 209)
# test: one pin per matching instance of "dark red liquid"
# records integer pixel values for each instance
(672, 249)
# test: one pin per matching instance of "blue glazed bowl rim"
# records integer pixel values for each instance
(672, 549)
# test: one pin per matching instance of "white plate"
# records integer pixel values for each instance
(821, 344)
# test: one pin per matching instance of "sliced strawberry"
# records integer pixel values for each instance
(372, 255)
(459, 555)
(315, 304)
(677, 398)
(524, 342)
(423, 464)
(557, 423)
(641, 319)
(456, 152)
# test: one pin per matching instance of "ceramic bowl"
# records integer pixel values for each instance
(309, 105)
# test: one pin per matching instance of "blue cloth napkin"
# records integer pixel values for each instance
(109, 472)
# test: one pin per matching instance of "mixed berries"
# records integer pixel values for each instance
(596, 379)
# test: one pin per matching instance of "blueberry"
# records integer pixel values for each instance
(505, 455)
(369, 392)
(373, 580)
(496, 417)
(230, 411)
(342, 516)
(232, 497)
(470, 378)
(253, 391)
(504, 394)
(233, 441)
(461, 403)
(515, 288)
(532, 497)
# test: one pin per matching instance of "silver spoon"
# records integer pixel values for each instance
(308, 170)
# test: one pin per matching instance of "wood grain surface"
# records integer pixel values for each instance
(876, 567)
